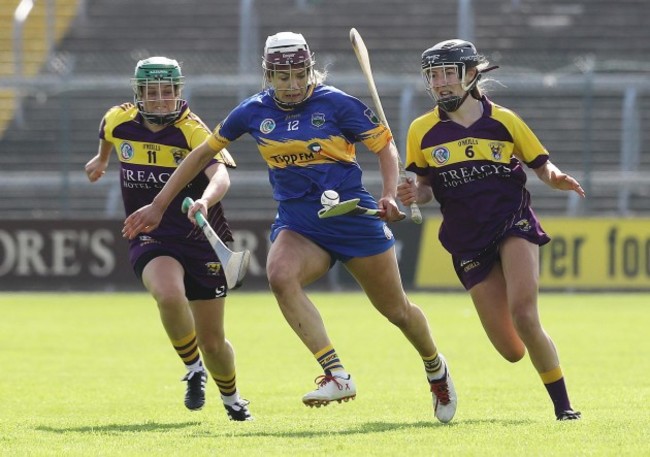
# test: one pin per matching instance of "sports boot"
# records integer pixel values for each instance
(568, 415)
(330, 388)
(239, 411)
(444, 396)
(195, 392)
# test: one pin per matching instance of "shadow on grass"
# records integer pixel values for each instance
(381, 427)
(120, 428)
(367, 428)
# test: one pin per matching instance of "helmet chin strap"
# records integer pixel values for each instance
(451, 104)
(162, 120)
(159, 119)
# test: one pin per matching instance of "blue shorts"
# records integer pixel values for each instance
(343, 237)
(204, 278)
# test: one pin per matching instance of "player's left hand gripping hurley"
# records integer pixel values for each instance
(234, 264)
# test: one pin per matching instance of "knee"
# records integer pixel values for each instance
(213, 345)
(397, 315)
(279, 281)
(525, 319)
(276, 278)
(169, 299)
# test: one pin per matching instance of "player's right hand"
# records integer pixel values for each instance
(407, 192)
(95, 168)
(389, 212)
(143, 220)
(199, 206)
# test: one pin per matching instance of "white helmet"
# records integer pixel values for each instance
(287, 51)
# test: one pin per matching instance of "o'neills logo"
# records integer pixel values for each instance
(468, 265)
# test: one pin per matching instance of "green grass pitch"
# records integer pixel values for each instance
(94, 374)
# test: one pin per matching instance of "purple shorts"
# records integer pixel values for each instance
(473, 269)
(204, 278)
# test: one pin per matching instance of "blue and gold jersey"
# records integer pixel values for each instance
(147, 160)
(310, 148)
(476, 172)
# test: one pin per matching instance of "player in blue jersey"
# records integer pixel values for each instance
(175, 261)
(468, 153)
(306, 132)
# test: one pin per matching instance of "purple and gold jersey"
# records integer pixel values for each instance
(310, 148)
(147, 160)
(476, 174)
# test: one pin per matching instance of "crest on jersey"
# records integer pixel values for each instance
(440, 155)
(126, 151)
(496, 148)
(267, 126)
(179, 155)
(213, 268)
(371, 116)
(318, 120)
(523, 225)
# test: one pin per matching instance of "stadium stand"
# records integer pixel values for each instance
(35, 45)
(544, 49)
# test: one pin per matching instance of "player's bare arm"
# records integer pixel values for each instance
(96, 167)
(148, 217)
(557, 179)
(214, 191)
(389, 173)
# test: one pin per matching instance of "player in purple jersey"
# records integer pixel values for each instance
(306, 132)
(175, 262)
(468, 154)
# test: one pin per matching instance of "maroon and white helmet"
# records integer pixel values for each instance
(287, 52)
(287, 49)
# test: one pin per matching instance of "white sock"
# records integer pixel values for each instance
(438, 374)
(341, 374)
(196, 366)
(230, 399)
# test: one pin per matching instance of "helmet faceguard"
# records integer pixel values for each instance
(157, 82)
(288, 52)
(457, 54)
